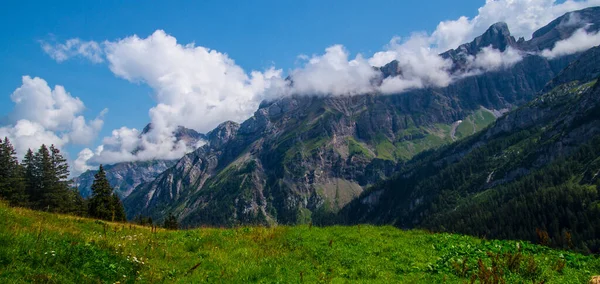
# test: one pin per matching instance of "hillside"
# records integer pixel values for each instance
(532, 171)
(301, 159)
(48, 248)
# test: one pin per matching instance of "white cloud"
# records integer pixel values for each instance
(42, 115)
(419, 65)
(490, 59)
(25, 134)
(333, 74)
(72, 48)
(580, 41)
(83, 133)
(195, 87)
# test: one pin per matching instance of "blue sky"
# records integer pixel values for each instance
(256, 34)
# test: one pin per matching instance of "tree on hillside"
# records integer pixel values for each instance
(119, 210)
(30, 176)
(171, 222)
(104, 204)
(55, 195)
(12, 185)
(43, 179)
(45, 174)
(78, 205)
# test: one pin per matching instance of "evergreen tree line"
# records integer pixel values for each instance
(40, 182)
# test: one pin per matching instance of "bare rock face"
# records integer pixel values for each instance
(302, 158)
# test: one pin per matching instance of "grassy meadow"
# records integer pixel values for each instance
(48, 248)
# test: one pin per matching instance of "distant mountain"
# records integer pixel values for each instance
(534, 170)
(301, 159)
(124, 177)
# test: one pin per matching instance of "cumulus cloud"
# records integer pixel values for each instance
(42, 115)
(490, 59)
(90, 50)
(26, 134)
(418, 65)
(195, 87)
(334, 74)
(580, 41)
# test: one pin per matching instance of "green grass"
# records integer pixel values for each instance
(48, 248)
(384, 148)
(474, 123)
(357, 148)
(433, 137)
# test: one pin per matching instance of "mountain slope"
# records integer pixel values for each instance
(302, 158)
(534, 168)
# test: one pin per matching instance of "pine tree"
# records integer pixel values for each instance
(104, 204)
(12, 185)
(171, 222)
(118, 209)
(43, 179)
(78, 204)
(56, 194)
(30, 176)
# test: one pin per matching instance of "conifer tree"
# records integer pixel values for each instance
(171, 222)
(12, 185)
(104, 204)
(30, 176)
(118, 209)
(43, 179)
(56, 195)
(78, 205)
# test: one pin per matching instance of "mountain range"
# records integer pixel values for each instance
(506, 153)
(301, 159)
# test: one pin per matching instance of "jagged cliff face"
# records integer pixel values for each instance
(302, 158)
(125, 177)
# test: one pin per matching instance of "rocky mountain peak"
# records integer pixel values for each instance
(497, 36)
(563, 27)
(223, 133)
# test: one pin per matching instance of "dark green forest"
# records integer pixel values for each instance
(41, 182)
